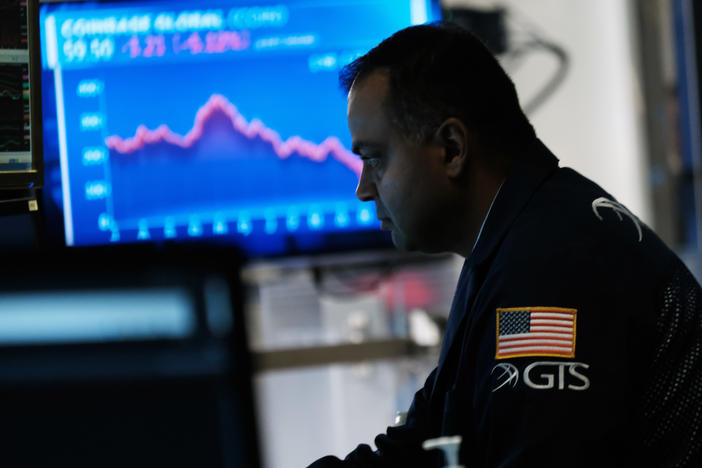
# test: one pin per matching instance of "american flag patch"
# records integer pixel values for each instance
(535, 331)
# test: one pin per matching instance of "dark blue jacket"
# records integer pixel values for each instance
(574, 339)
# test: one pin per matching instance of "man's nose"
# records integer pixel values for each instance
(365, 191)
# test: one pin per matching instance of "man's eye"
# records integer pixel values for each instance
(372, 161)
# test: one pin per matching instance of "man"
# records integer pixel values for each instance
(574, 338)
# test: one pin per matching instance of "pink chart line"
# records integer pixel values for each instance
(253, 129)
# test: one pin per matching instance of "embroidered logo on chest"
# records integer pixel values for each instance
(542, 375)
(535, 331)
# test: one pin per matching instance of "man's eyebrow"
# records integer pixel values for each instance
(360, 146)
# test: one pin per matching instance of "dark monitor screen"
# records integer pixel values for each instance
(125, 357)
(209, 119)
(20, 112)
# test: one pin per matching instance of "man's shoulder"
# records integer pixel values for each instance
(573, 211)
(572, 225)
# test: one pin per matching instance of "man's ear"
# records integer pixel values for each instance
(458, 143)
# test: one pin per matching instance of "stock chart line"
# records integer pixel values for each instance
(317, 152)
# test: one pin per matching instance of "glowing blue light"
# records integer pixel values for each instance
(220, 226)
(315, 221)
(365, 216)
(292, 221)
(143, 230)
(97, 190)
(244, 226)
(97, 315)
(194, 227)
(91, 121)
(341, 219)
(271, 225)
(94, 156)
(169, 228)
(104, 221)
(89, 88)
(114, 237)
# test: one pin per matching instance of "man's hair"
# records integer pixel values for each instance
(441, 70)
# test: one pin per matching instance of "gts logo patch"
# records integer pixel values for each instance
(543, 375)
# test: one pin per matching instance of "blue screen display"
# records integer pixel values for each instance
(207, 119)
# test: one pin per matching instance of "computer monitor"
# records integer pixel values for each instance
(20, 99)
(125, 356)
(209, 119)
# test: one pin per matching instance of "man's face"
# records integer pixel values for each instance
(406, 180)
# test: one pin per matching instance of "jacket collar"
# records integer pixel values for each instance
(522, 181)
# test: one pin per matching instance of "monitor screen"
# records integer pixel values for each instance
(209, 119)
(20, 121)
